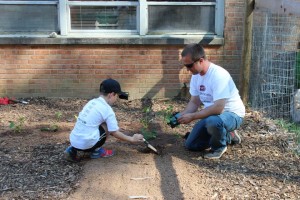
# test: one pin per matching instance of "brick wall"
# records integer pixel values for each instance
(143, 70)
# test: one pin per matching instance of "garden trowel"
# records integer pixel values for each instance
(150, 146)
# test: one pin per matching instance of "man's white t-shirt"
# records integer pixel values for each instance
(217, 84)
(85, 133)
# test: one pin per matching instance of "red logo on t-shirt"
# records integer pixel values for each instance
(202, 88)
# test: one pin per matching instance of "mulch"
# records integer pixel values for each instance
(32, 165)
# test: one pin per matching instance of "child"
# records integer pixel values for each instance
(96, 121)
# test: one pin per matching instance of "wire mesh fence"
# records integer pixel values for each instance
(275, 70)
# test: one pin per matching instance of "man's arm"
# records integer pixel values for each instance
(192, 106)
(215, 109)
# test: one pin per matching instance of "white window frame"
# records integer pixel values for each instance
(66, 16)
(142, 16)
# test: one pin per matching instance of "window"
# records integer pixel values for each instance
(103, 17)
(28, 17)
(145, 17)
(111, 17)
(178, 19)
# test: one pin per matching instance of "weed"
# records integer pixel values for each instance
(18, 125)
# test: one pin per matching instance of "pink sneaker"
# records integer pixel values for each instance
(101, 153)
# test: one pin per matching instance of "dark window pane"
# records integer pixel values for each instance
(28, 18)
(104, 0)
(181, 19)
(31, 0)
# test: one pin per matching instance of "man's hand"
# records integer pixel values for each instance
(186, 118)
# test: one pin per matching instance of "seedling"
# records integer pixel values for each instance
(53, 126)
(145, 121)
(169, 116)
(18, 125)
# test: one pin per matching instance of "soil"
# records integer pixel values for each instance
(32, 163)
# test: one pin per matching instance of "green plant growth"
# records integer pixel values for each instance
(58, 116)
(167, 114)
(292, 128)
(17, 126)
(145, 121)
(54, 125)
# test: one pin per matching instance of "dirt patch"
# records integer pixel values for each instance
(32, 166)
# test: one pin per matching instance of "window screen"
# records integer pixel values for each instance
(103, 17)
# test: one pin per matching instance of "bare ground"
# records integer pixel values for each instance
(32, 165)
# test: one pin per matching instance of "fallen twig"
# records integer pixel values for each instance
(138, 197)
(141, 178)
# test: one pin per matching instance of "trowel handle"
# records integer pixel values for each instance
(145, 141)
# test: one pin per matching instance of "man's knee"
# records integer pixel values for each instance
(212, 123)
(190, 146)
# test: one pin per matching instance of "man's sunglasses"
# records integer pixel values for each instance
(191, 64)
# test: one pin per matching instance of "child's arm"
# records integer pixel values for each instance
(134, 139)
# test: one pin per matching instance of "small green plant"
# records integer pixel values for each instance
(167, 114)
(289, 126)
(53, 126)
(18, 125)
(145, 121)
(58, 115)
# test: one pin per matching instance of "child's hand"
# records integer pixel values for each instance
(137, 138)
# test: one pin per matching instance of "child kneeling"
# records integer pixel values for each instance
(96, 121)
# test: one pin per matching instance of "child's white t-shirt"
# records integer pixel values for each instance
(85, 133)
(217, 84)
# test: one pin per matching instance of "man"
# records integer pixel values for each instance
(223, 112)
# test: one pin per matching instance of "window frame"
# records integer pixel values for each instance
(64, 23)
(142, 16)
(68, 29)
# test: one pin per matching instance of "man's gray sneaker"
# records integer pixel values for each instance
(235, 137)
(215, 154)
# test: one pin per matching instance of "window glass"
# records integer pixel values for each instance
(103, 17)
(28, 0)
(183, 1)
(181, 19)
(104, 0)
(28, 18)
